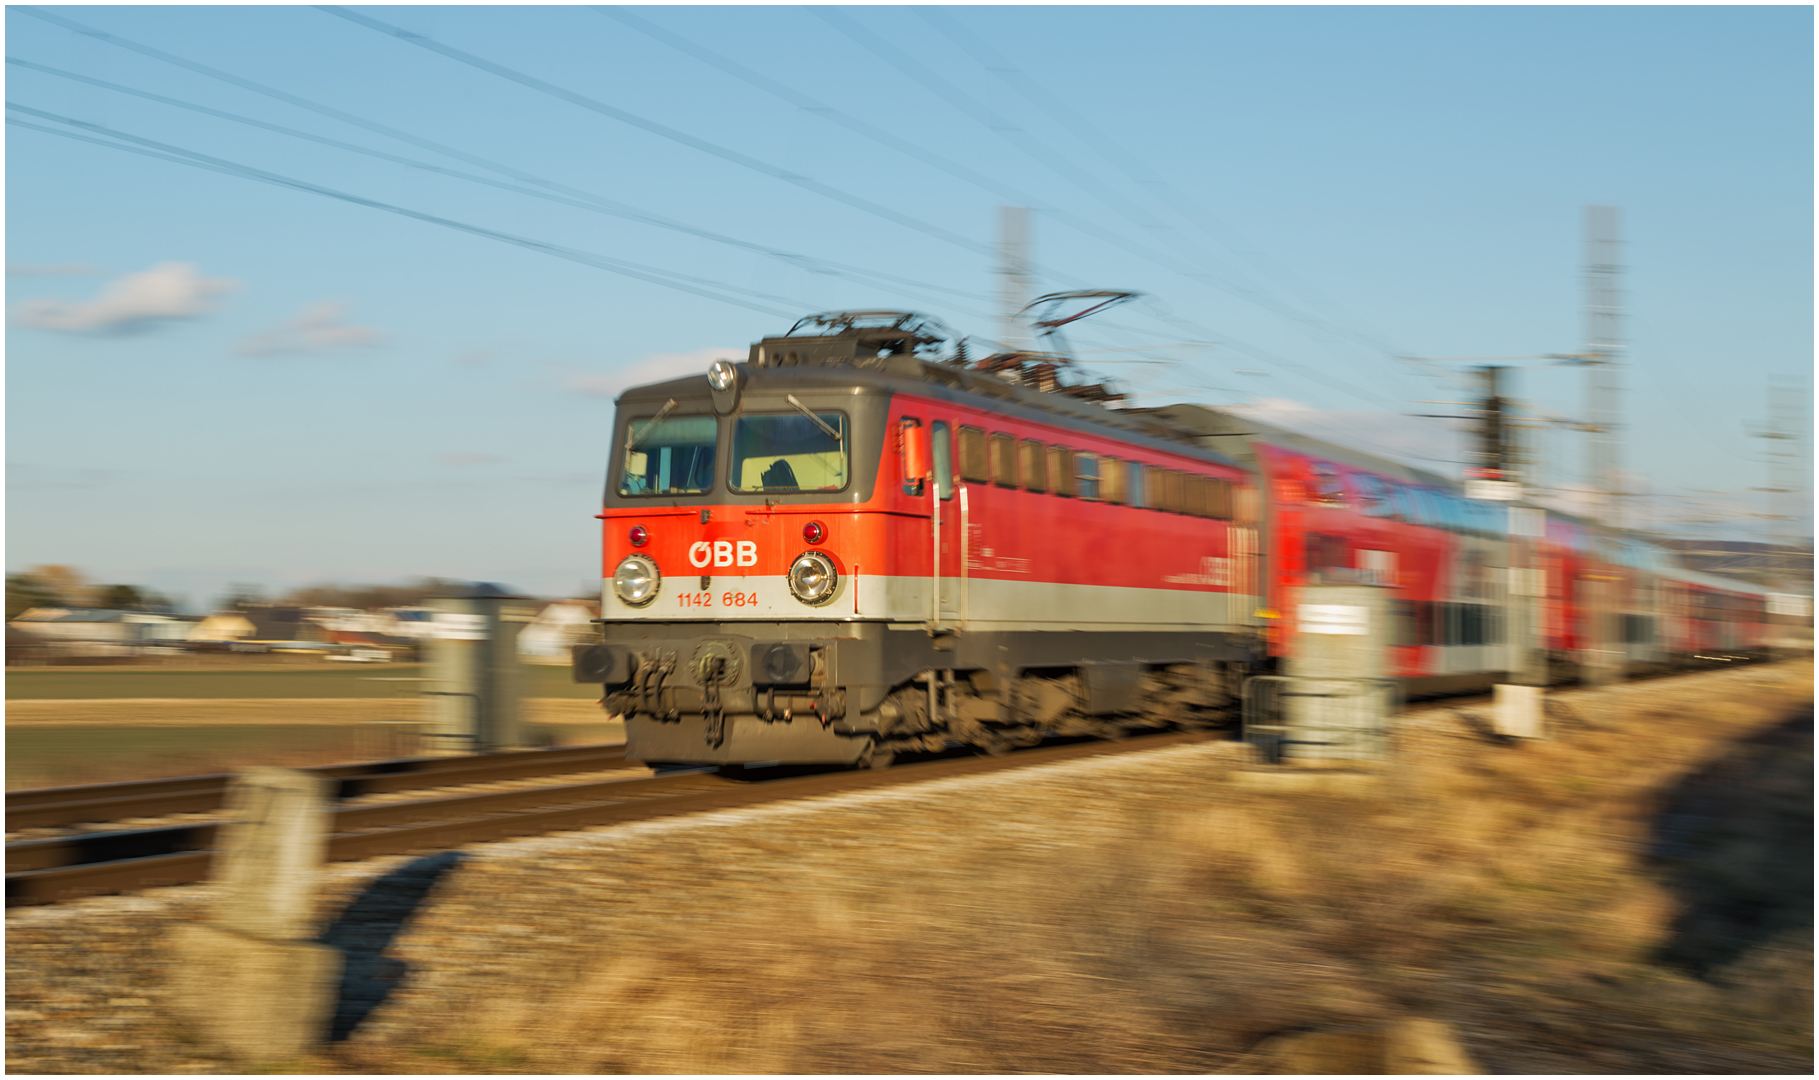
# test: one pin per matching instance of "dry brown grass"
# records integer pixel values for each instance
(1504, 889)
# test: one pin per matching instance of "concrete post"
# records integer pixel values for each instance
(251, 981)
(1342, 632)
(474, 670)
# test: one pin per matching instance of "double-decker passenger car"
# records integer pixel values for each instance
(848, 546)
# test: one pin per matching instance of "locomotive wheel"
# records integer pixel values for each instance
(880, 759)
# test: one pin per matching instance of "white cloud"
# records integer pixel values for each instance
(130, 303)
(320, 327)
(1434, 445)
(653, 367)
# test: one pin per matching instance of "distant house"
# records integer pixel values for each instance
(94, 632)
(223, 626)
(414, 624)
(548, 637)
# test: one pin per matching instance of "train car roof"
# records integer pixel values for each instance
(950, 383)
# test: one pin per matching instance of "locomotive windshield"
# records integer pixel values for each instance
(786, 452)
(669, 456)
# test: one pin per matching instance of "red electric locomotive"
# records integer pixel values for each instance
(846, 547)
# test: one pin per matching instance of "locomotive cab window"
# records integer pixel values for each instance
(668, 455)
(789, 452)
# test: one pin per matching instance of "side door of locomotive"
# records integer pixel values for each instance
(946, 526)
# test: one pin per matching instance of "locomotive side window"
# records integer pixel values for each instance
(788, 452)
(1135, 481)
(1034, 464)
(1171, 492)
(1153, 483)
(974, 464)
(1004, 460)
(669, 455)
(1219, 499)
(943, 452)
(1193, 495)
(1086, 476)
(1060, 470)
(1111, 480)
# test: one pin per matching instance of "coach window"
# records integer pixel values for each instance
(974, 465)
(1004, 460)
(1060, 470)
(942, 451)
(1086, 476)
(1111, 480)
(1134, 486)
(1034, 464)
(1325, 487)
(1373, 495)
(1403, 504)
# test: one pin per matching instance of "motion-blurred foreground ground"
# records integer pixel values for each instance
(1633, 895)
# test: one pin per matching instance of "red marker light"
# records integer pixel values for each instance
(640, 536)
(814, 532)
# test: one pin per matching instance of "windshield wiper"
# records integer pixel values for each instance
(632, 440)
(820, 423)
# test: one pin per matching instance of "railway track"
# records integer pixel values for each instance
(62, 868)
(39, 808)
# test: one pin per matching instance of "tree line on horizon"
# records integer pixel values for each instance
(68, 587)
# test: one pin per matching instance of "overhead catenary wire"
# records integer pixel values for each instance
(1146, 179)
(1056, 162)
(662, 130)
(892, 141)
(518, 174)
(551, 191)
(165, 151)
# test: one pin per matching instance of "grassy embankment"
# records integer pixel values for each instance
(98, 724)
(1632, 896)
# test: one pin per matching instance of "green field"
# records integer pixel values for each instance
(328, 681)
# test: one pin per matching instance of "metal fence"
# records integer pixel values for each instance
(1303, 719)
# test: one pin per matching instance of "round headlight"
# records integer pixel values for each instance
(636, 580)
(812, 578)
(720, 376)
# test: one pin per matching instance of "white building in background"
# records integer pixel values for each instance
(565, 623)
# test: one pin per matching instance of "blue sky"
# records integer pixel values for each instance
(215, 379)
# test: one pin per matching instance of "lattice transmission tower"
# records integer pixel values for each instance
(1601, 356)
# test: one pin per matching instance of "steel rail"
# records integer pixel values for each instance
(49, 807)
(614, 802)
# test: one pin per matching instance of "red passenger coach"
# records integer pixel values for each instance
(844, 548)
